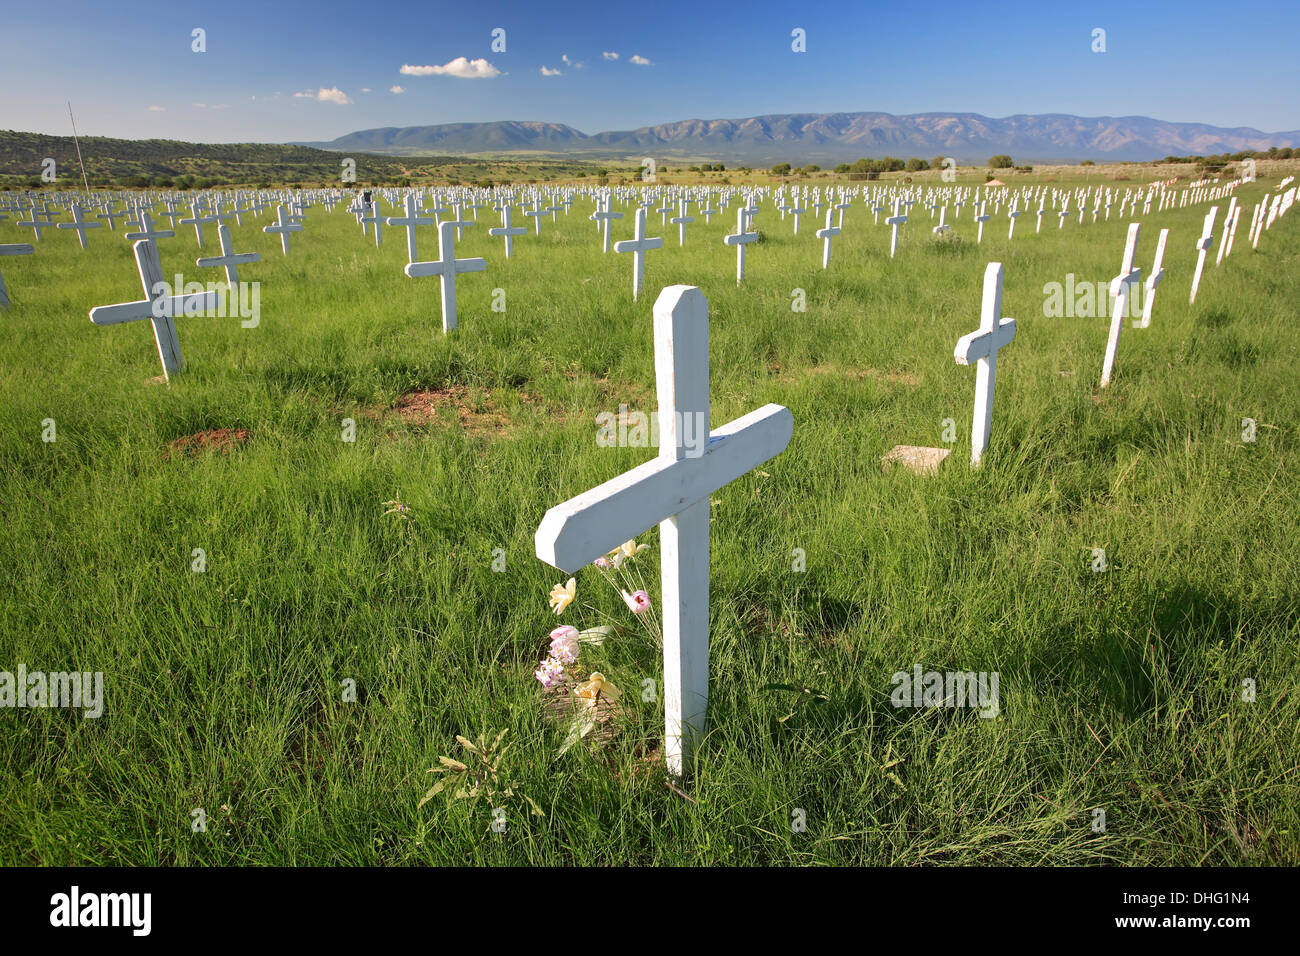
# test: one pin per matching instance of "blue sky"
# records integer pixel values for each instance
(275, 72)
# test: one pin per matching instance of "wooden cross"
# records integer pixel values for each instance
(828, 233)
(638, 246)
(156, 306)
(895, 221)
(1153, 281)
(536, 213)
(283, 227)
(740, 239)
(445, 268)
(228, 259)
(79, 224)
(1203, 247)
(672, 490)
(196, 220)
(982, 218)
(680, 222)
(1231, 230)
(147, 230)
(112, 215)
(1039, 227)
(943, 226)
(796, 212)
(1013, 214)
(507, 230)
(1227, 219)
(982, 347)
(1119, 289)
(12, 249)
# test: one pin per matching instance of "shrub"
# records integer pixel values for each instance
(1000, 161)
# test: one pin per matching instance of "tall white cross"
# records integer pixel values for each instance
(1227, 219)
(507, 230)
(1011, 233)
(982, 347)
(1153, 281)
(156, 306)
(147, 230)
(740, 239)
(638, 246)
(895, 221)
(828, 233)
(229, 259)
(12, 249)
(282, 226)
(603, 216)
(1203, 247)
(982, 218)
(197, 219)
(79, 224)
(377, 219)
(680, 221)
(410, 221)
(445, 268)
(1231, 229)
(1120, 289)
(672, 490)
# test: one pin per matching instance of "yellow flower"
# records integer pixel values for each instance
(562, 595)
(595, 686)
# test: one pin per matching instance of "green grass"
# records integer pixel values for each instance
(1119, 690)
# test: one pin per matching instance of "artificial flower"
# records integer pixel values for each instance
(564, 644)
(550, 673)
(562, 595)
(638, 601)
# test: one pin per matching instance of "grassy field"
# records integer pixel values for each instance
(1120, 690)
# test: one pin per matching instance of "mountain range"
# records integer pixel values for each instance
(802, 138)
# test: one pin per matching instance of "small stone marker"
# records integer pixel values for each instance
(229, 259)
(12, 249)
(445, 268)
(1120, 290)
(740, 239)
(159, 308)
(918, 459)
(282, 226)
(672, 490)
(982, 346)
(1153, 280)
(638, 246)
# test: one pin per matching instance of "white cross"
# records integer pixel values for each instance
(1203, 247)
(828, 233)
(1013, 214)
(982, 346)
(283, 227)
(982, 218)
(507, 230)
(1231, 229)
(377, 219)
(638, 246)
(740, 239)
(196, 220)
(112, 215)
(445, 268)
(159, 308)
(1039, 227)
(680, 222)
(796, 212)
(12, 249)
(147, 230)
(672, 490)
(1153, 281)
(228, 259)
(1120, 287)
(895, 221)
(943, 226)
(603, 216)
(1227, 219)
(537, 212)
(410, 222)
(79, 224)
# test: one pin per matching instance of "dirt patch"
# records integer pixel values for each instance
(478, 415)
(216, 439)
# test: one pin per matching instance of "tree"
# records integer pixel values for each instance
(780, 169)
(937, 162)
(1000, 161)
(915, 165)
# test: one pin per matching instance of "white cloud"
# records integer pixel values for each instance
(639, 60)
(365, 89)
(331, 94)
(570, 63)
(547, 71)
(610, 56)
(397, 89)
(479, 69)
(157, 109)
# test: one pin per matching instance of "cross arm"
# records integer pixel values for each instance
(581, 529)
(981, 344)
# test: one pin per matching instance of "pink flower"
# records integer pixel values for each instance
(564, 644)
(601, 562)
(550, 673)
(639, 601)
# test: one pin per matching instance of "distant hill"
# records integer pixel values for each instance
(832, 138)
